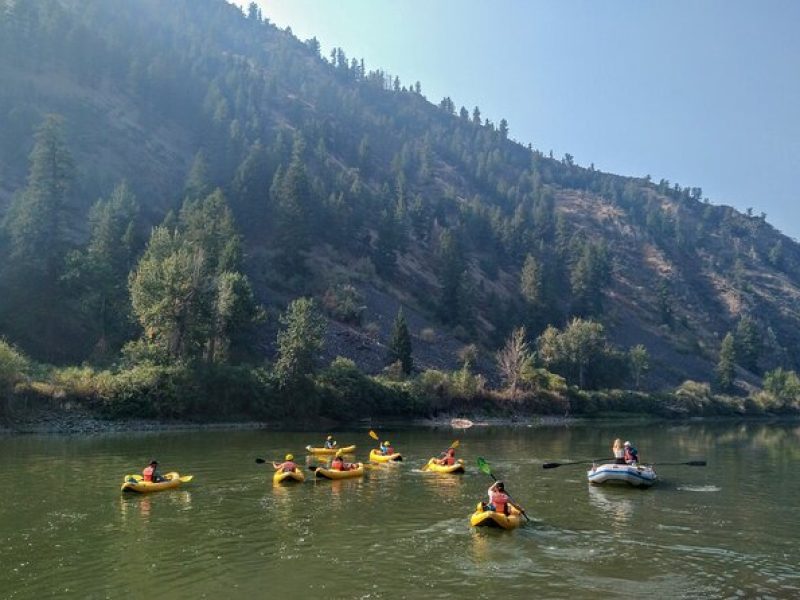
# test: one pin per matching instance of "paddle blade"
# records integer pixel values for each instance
(696, 463)
(483, 466)
(260, 461)
(551, 465)
(373, 435)
(455, 444)
(187, 478)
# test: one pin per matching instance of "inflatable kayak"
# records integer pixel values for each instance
(332, 474)
(635, 475)
(489, 518)
(458, 467)
(289, 476)
(135, 483)
(376, 456)
(331, 451)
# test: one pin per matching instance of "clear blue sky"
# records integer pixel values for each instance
(701, 92)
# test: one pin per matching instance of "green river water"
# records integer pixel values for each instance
(728, 530)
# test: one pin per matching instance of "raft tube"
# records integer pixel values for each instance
(634, 475)
(458, 467)
(376, 456)
(288, 476)
(489, 518)
(136, 484)
(331, 451)
(333, 474)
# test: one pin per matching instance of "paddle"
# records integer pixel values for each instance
(553, 465)
(454, 445)
(260, 461)
(484, 467)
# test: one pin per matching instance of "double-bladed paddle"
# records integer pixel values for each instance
(485, 468)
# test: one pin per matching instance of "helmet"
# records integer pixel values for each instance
(289, 457)
(627, 444)
(386, 444)
(330, 437)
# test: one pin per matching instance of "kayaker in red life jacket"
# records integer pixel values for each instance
(498, 499)
(151, 474)
(448, 458)
(338, 464)
(386, 449)
(289, 466)
(631, 454)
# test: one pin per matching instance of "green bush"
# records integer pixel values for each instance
(13, 366)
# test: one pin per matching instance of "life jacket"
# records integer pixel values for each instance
(631, 455)
(449, 460)
(147, 474)
(388, 450)
(328, 445)
(338, 464)
(500, 500)
(288, 467)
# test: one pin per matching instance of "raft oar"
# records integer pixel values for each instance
(691, 463)
(553, 465)
(484, 466)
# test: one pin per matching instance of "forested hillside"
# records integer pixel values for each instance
(172, 174)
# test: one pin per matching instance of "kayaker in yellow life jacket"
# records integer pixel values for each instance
(619, 452)
(289, 466)
(386, 449)
(150, 472)
(448, 458)
(330, 443)
(631, 454)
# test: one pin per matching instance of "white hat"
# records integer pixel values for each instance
(626, 444)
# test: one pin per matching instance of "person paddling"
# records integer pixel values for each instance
(338, 464)
(448, 458)
(619, 452)
(330, 443)
(631, 454)
(499, 501)
(288, 466)
(150, 473)
(386, 448)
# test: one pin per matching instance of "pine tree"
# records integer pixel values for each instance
(726, 367)
(748, 344)
(37, 230)
(294, 206)
(530, 284)
(452, 267)
(197, 183)
(301, 336)
(400, 344)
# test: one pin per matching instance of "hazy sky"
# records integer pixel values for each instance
(701, 92)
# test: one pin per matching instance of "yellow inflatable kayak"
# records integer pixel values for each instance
(135, 483)
(458, 467)
(489, 518)
(289, 476)
(331, 451)
(332, 474)
(376, 456)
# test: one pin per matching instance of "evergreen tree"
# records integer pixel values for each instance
(748, 344)
(726, 366)
(294, 205)
(640, 363)
(530, 283)
(400, 344)
(300, 337)
(37, 227)
(97, 275)
(452, 267)
(197, 183)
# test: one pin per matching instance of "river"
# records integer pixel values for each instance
(727, 530)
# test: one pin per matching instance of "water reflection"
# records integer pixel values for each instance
(613, 505)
